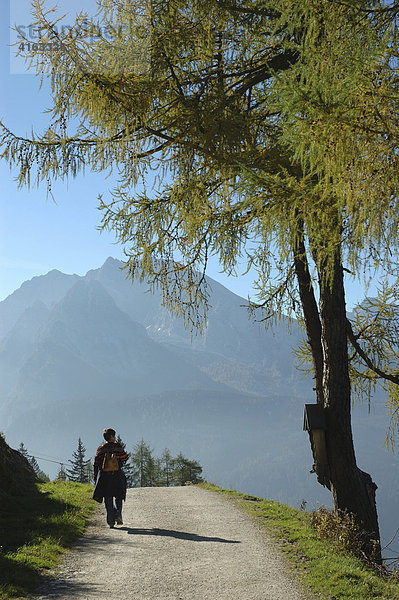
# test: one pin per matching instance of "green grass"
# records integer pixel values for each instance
(325, 571)
(35, 530)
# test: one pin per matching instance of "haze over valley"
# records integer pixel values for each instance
(79, 353)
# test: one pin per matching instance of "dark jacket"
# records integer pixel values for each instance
(109, 483)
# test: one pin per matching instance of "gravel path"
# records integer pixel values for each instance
(180, 543)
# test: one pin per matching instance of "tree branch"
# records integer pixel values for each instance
(353, 340)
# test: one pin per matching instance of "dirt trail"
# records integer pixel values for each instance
(176, 543)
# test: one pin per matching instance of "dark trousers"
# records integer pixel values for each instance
(113, 508)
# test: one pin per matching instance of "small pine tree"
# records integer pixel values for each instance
(90, 470)
(166, 471)
(78, 470)
(166, 468)
(127, 466)
(22, 450)
(153, 469)
(128, 469)
(157, 473)
(143, 465)
(33, 463)
(42, 476)
(62, 474)
(186, 470)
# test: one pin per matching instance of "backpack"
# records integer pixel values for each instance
(110, 462)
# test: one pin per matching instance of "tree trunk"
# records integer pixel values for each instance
(352, 489)
(309, 309)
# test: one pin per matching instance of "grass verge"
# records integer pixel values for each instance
(36, 529)
(325, 572)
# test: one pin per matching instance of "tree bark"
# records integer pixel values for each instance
(309, 309)
(352, 489)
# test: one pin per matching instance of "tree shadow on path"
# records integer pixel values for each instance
(181, 535)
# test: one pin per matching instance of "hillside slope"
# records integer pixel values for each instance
(16, 475)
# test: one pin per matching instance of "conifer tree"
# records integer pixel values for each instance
(374, 336)
(62, 474)
(89, 471)
(22, 449)
(34, 464)
(129, 471)
(41, 475)
(156, 479)
(186, 471)
(78, 471)
(127, 466)
(166, 468)
(144, 468)
(273, 143)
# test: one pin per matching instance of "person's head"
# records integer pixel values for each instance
(108, 434)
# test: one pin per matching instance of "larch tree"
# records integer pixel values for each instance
(374, 336)
(186, 471)
(342, 125)
(350, 139)
(144, 465)
(127, 466)
(166, 468)
(264, 121)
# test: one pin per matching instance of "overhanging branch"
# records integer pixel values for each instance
(353, 340)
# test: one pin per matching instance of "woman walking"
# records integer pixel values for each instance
(109, 477)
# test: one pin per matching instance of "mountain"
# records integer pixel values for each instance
(229, 332)
(81, 353)
(48, 289)
(19, 343)
(85, 348)
(234, 349)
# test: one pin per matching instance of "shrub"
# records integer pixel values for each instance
(340, 527)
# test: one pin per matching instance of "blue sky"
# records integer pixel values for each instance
(36, 234)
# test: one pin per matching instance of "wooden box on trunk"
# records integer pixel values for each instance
(315, 424)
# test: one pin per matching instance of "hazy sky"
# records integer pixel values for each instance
(37, 235)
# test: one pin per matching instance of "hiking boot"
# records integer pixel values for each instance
(118, 519)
